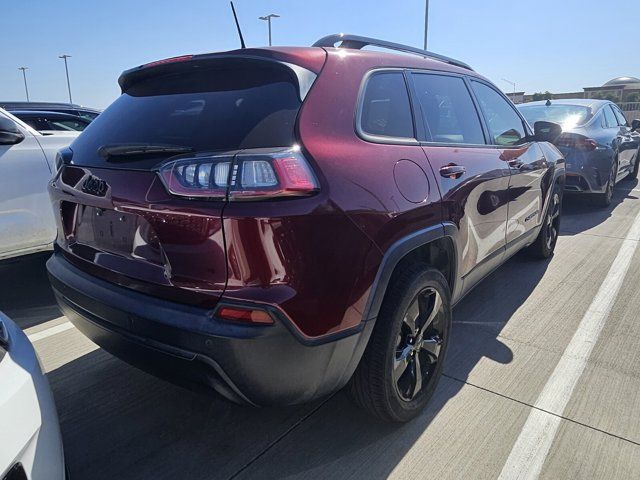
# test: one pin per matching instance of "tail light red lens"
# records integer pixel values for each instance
(244, 315)
(246, 176)
(579, 142)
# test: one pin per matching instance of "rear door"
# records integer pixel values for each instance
(529, 179)
(472, 177)
(628, 141)
(615, 138)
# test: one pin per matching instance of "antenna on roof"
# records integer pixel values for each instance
(235, 17)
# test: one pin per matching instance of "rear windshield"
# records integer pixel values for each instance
(206, 110)
(568, 116)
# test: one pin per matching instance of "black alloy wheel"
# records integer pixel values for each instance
(552, 222)
(604, 199)
(400, 368)
(545, 242)
(419, 344)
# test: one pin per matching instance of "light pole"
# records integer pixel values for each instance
(24, 77)
(513, 84)
(426, 22)
(66, 69)
(268, 18)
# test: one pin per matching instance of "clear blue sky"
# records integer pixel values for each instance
(557, 45)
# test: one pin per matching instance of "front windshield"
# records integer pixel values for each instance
(569, 116)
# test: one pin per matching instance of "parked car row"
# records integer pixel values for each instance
(277, 224)
(68, 108)
(49, 118)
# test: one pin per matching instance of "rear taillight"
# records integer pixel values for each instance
(246, 176)
(579, 142)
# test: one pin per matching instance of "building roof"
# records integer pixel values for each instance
(621, 81)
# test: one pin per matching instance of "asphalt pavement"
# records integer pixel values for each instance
(544, 365)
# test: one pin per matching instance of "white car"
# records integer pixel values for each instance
(30, 440)
(27, 162)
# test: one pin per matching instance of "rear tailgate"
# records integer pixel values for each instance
(118, 221)
(138, 236)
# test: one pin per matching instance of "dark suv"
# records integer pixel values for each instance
(277, 223)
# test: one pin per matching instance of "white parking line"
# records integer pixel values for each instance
(34, 337)
(532, 446)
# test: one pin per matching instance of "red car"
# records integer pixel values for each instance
(277, 223)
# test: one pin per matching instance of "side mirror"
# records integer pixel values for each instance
(635, 125)
(546, 131)
(10, 134)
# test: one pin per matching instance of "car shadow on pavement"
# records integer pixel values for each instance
(580, 214)
(118, 422)
(25, 292)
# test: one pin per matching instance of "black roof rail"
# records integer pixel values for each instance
(357, 42)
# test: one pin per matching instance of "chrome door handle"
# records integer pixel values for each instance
(452, 171)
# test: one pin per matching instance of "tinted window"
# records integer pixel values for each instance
(88, 115)
(36, 123)
(385, 107)
(448, 110)
(505, 126)
(223, 108)
(568, 116)
(601, 120)
(621, 118)
(68, 124)
(609, 117)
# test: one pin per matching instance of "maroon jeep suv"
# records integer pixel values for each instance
(275, 224)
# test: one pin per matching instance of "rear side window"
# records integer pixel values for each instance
(505, 125)
(212, 109)
(609, 117)
(622, 121)
(68, 124)
(385, 109)
(448, 110)
(37, 123)
(86, 115)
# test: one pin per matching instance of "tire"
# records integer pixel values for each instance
(605, 199)
(384, 383)
(545, 242)
(634, 173)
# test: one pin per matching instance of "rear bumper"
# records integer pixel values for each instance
(587, 172)
(258, 365)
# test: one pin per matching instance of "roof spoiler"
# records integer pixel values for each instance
(357, 42)
(302, 75)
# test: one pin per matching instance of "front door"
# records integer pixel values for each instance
(525, 160)
(473, 179)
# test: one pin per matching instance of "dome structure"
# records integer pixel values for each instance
(621, 81)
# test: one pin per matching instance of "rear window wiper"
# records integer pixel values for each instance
(134, 149)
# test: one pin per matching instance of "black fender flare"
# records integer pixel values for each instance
(396, 252)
